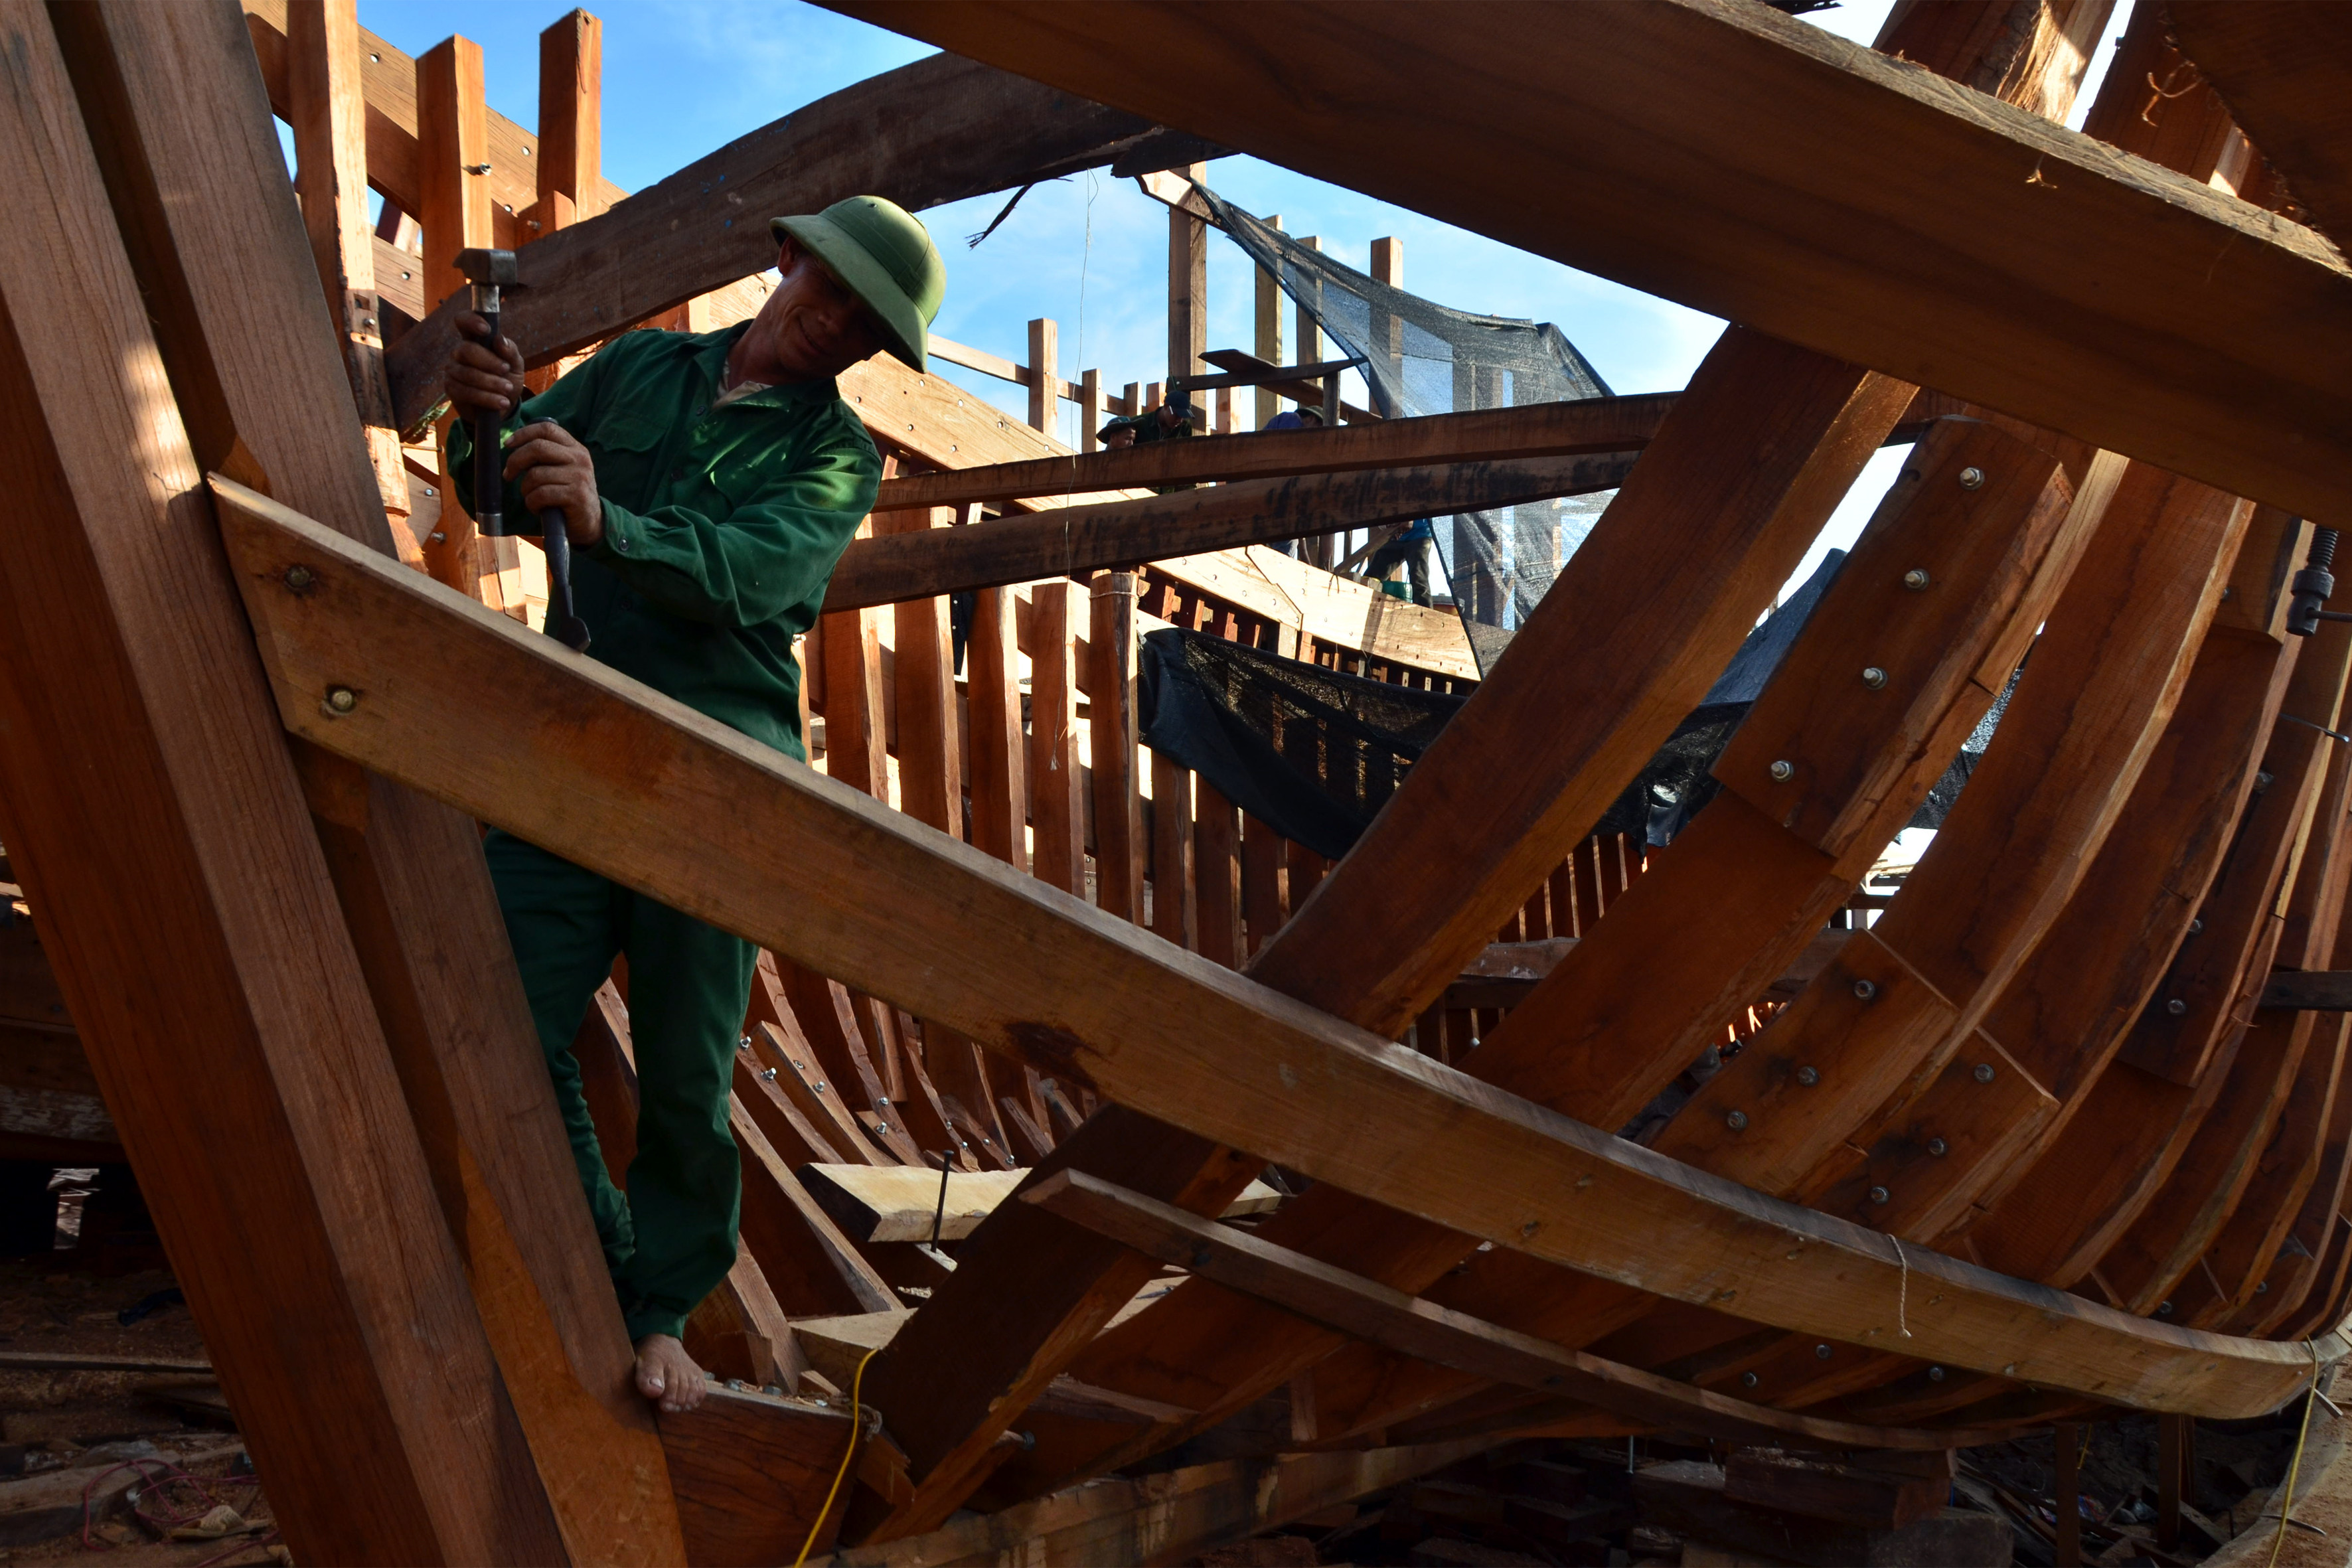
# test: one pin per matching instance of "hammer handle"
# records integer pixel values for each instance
(489, 455)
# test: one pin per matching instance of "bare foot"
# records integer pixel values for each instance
(667, 1373)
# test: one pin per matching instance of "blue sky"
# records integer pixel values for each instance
(684, 76)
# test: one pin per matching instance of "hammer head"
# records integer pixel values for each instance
(496, 267)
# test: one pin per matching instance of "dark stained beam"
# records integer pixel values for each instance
(914, 565)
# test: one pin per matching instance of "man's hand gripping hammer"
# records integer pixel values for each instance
(489, 271)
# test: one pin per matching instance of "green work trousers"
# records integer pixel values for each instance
(671, 1240)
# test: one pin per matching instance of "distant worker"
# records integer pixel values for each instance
(1169, 421)
(1411, 548)
(708, 483)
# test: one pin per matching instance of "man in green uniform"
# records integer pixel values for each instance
(708, 484)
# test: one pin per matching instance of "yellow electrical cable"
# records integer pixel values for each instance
(856, 1420)
(2295, 1466)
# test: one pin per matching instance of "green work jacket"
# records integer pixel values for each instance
(721, 525)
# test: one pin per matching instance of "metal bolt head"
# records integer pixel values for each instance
(299, 579)
(1916, 579)
(744, 1044)
(2164, 1309)
(438, 537)
(1984, 1072)
(768, 1075)
(1873, 676)
(2195, 927)
(2262, 1287)
(2175, 1006)
(1737, 1121)
(1782, 772)
(1809, 1076)
(1864, 990)
(1823, 1352)
(1879, 1194)
(341, 699)
(1935, 1374)
(1972, 479)
(1938, 1148)
(1748, 1380)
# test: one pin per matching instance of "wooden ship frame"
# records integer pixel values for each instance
(2064, 1131)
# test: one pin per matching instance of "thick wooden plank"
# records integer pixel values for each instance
(1072, 540)
(1366, 1309)
(1117, 804)
(934, 131)
(569, 159)
(190, 152)
(2309, 990)
(1057, 798)
(2280, 68)
(901, 1204)
(1597, 425)
(1750, 166)
(930, 744)
(160, 825)
(329, 123)
(751, 1471)
(1137, 1022)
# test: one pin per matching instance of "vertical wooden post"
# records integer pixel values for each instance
(1173, 905)
(1268, 345)
(1224, 424)
(453, 138)
(1044, 374)
(930, 751)
(1134, 397)
(854, 739)
(1263, 904)
(1058, 807)
(571, 148)
(1216, 844)
(2065, 1439)
(999, 800)
(1119, 805)
(1090, 411)
(1188, 287)
(1154, 395)
(329, 123)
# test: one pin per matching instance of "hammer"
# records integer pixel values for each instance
(489, 271)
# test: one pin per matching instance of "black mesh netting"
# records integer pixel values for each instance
(1418, 358)
(1315, 754)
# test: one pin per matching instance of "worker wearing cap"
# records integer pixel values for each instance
(708, 483)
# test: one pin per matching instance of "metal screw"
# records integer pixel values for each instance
(1748, 1380)
(2175, 1006)
(774, 1391)
(1879, 1194)
(341, 699)
(1737, 1121)
(2262, 780)
(819, 1086)
(477, 168)
(2196, 926)
(1823, 1352)
(2262, 1287)
(1937, 1147)
(1935, 1374)
(1873, 676)
(881, 1100)
(438, 537)
(368, 321)
(1916, 580)
(1984, 1072)
(736, 1383)
(744, 1044)
(299, 578)
(1864, 990)
(1972, 479)
(2164, 1309)
(2010, 1371)
(768, 1075)
(1783, 772)
(1809, 1076)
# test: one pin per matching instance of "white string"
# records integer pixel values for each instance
(1903, 1300)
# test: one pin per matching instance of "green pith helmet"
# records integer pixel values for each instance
(887, 257)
